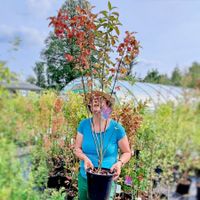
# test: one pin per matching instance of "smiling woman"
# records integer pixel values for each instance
(97, 143)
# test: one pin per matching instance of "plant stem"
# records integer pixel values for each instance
(117, 74)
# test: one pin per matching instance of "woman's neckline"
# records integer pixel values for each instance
(108, 126)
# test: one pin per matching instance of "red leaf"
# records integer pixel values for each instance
(69, 35)
(112, 70)
(69, 57)
(129, 48)
(117, 87)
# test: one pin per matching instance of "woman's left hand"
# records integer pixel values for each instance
(116, 168)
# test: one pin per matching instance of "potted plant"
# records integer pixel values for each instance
(98, 40)
(55, 165)
(183, 184)
(57, 176)
(99, 183)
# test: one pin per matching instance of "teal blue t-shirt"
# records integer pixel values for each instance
(111, 136)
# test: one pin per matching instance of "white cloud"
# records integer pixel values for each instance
(40, 8)
(33, 36)
(28, 35)
(150, 63)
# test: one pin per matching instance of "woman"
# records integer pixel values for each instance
(113, 135)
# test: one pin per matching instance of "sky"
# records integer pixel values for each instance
(168, 31)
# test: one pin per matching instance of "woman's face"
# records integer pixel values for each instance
(97, 104)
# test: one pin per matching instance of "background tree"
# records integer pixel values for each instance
(194, 73)
(39, 70)
(176, 77)
(164, 79)
(5, 74)
(59, 71)
(152, 76)
(191, 77)
(31, 79)
(5, 77)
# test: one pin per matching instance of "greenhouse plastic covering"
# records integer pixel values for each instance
(154, 94)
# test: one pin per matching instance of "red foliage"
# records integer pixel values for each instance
(69, 57)
(79, 28)
(129, 49)
(130, 119)
(117, 87)
(57, 123)
(58, 105)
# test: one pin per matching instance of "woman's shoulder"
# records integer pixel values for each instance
(119, 129)
(85, 120)
(116, 124)
(83, 124)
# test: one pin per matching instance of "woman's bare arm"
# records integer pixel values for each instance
(125, 149)
(124, 158)
(79, 153)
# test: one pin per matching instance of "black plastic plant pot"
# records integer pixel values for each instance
(198, 192)
(197, 172)
(183, 188)
(99, 185)
(56, 181)
(137, 154)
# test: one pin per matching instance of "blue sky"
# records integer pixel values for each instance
(168, 30)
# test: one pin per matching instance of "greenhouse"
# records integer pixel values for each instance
(154, 94)
(22, 87)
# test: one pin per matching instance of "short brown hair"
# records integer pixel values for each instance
(108, 98)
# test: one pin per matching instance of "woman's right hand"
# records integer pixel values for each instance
(88, 163)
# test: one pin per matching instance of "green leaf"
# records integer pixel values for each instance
(109, 5)
(113, 8)
(105, 13)
(104, 25)
(112, 18)
(102, 20)
(120, 24)
(98, 33)
(110, 78)
(117, 30)
(107, 59)
(115, 13)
